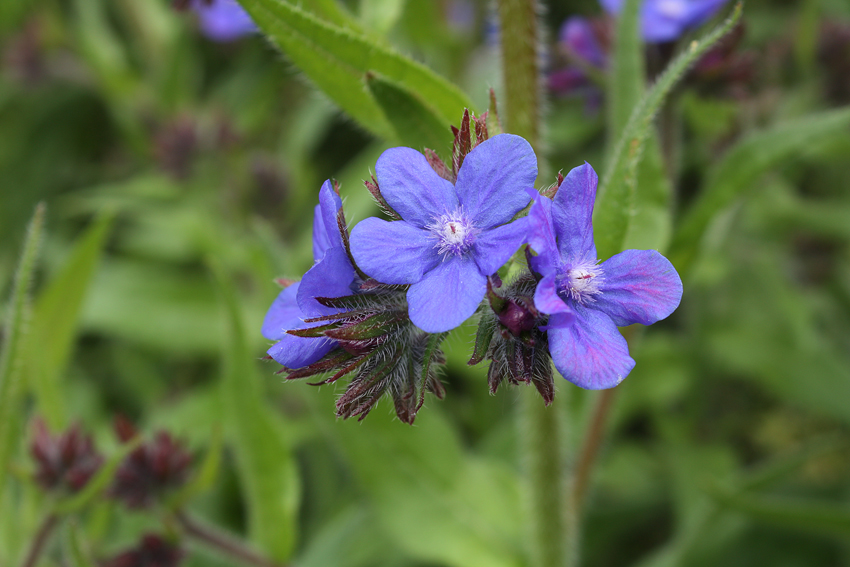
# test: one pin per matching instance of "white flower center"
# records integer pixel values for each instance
(581, 282)
(453, 232)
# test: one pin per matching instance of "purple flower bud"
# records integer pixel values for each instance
(152, 551)
(152, 469)
(65, 462)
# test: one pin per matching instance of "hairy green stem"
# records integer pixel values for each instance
(544, 465)
(519, 31)
(541, 435)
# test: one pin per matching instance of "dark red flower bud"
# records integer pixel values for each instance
(65, 462)
(152, 551)
(151, 469)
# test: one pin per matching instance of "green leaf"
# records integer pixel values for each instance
(264, 458)
(415, 123)
(804, 515)
(205, 475)
(337, 60)
(436, 503)
(381, 15)
(616, 199)
(626, 78)
(97, 483)
(74, 548)
(741, 168)
(54, 322)
(14, 334)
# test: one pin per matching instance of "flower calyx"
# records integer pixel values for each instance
(509, 336)
(377, 343)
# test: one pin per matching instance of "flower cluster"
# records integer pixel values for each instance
(65, 462)
(376, 304)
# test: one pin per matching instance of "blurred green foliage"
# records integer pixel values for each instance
(179, 177)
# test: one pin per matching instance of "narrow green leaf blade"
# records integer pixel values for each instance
(615, 201)
(55, 318)
(205, 475)
(626, 78)
(741, 168)
(337, 59)
(805, 515)
(12, 351)
(415, 123)
(264, 459)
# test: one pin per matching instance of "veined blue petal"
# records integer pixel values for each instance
(591, 353)
(546, 298)
(393, 252)
(639, 286)
(331, 277)
(412, 188)
(492, 248)
(541, 234)
(447, 296)
(284, 313)
(325, 227)
(492, 182)
(572, 213)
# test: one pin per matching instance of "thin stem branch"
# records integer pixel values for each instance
(223, 542)
(590, 448)
(42, 536)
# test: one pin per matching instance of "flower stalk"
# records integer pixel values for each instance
(223, 543)
(543, 444)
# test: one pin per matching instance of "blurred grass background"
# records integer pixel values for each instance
(160, 153)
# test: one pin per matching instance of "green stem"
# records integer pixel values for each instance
(544, 459)
(522, 84)
(542, 438)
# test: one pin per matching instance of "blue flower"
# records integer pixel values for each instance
(666, 20)
(578, 39)
(223, 20)
(451, 237)
(332, 275)
(587, 301)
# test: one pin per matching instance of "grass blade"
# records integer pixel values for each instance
(12, 353)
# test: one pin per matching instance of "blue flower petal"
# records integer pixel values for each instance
(639, 286)
(700, 11)
(447, 296)
(578, 37)
(591, 353)
(492, 182)
(412, 188)
(325, 227)
(284, 313)
(331, 277)
(223, 20)
(297, 352)
(572, 213)
(546, 298)
(492, 248)
(393, 252)
(541, 235)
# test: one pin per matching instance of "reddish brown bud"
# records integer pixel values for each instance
(152, 551)
(65, 462)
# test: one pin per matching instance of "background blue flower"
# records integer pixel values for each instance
(586, 300)
(666, 20)
(223, 20)
(331, 276)
(452, 236)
